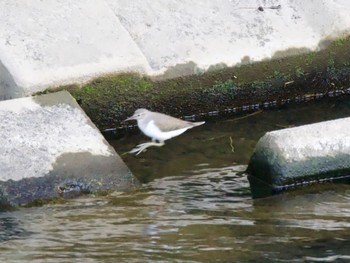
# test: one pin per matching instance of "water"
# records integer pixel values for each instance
(194, 206)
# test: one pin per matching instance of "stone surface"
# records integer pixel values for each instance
(50, 147)
(299, 156)
(55, 42)
(49, 43)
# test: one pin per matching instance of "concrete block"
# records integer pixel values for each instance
(54, 42)
(214, 32)
(299, 156)
(50, 43)
(49, 147)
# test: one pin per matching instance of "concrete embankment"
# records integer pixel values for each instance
(183, 48)
(50, 148)
(110, 99)
(300, 156)
(52, 43)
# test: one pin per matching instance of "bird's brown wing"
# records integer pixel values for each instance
(168, 123)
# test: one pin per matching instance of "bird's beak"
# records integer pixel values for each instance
(130, 118)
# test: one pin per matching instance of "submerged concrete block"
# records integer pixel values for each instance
(299, 156)
(49, 147)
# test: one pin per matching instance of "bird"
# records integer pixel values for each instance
(159, 127)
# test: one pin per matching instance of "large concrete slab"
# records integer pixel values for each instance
(49, 147)
(227, 31)
(302, 155)
(54, 42)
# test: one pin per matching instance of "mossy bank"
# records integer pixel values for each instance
(109, 99)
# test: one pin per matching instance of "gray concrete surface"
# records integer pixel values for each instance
(54, 42)
(49, 147)
(302, 155)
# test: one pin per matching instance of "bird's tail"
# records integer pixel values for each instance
(198, 123)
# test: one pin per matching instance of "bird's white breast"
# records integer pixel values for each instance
(151, 130)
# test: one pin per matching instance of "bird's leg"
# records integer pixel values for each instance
(143, 146)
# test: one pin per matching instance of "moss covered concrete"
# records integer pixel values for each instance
(110, 99)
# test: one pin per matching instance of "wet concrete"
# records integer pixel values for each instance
(303, 155)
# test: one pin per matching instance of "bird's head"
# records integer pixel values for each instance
(138, 114)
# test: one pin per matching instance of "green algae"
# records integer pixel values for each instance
(42, 202)
(109, 99)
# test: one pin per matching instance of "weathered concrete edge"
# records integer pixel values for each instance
(98, 173)
(281, 161)
(263, 184)
(61, 182)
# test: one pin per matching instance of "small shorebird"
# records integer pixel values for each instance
(159, 127)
